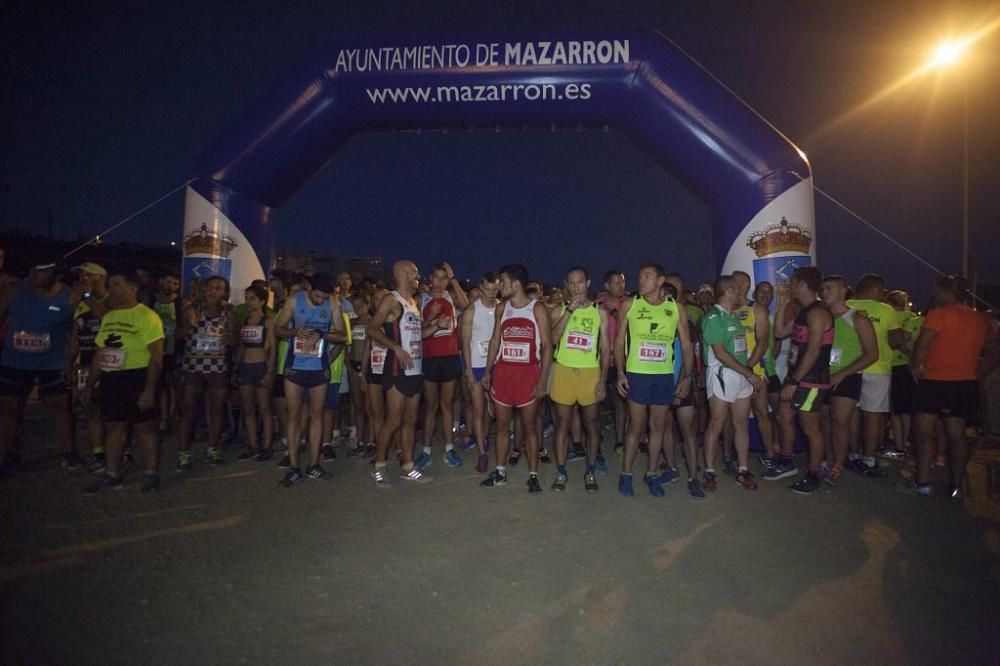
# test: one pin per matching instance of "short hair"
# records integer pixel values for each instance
(869, 281)
(958, 286)
(671, 290)
(743, 273)
(761, 284)
(516, 273)
(586, 275)
(837, 278)
(169, 273)
(810, 275)
(674, 275)
(722, 283)
(323, 282)
(439, 266)
(225, 282)
(127, 273)
(660, 270)
(489, 276)
(610, 274)
(257, 290)
(897, 298)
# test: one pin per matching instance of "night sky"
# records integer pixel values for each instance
(106, 106)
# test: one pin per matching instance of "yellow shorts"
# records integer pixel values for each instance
(574, 385)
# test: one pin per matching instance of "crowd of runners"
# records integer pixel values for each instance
(681, 379)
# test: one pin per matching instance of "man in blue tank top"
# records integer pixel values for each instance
(36, 352)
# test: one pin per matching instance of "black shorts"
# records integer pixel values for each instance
(407, 385)
(809, 399)
(773, 384)
(18, 382)
(688, 400)
(850, 388)
(374, 380)
(612, 377)
(902, 387)
(356, 367)
(949, 399)
(119, 397)
(307, 379)
(251, 374)
(169, 364)
(212, 381)
(278, 390)
(441, 369)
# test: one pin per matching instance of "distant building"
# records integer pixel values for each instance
(308, 262)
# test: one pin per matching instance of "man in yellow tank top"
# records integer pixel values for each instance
(579, 372)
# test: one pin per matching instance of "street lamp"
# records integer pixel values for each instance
(946, 55)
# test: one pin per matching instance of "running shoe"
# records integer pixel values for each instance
(317, 473)
(694, 489)
(96, 464)
(414, 475)
(213, 457)
(576, 452)
(150, 483)
(515, 456)
(128, 463)
(71, 460)
(891, 453)
(467, 443)
(590, 483)
(494, 479)
(378, 474)
(102, 484)
(543, 456)
(423, 461)
(670, 475)
(652, 482)
(292, 477)
(625, 485)
(327, 453)
(602, 465)
(358, 450)
(746, 480)
(709, 483)
(873, 471)
(728, 467)
(248, 455)
(766, 462)
(911, 487)
(264, 455)
(559, 484)
(548, 430)
(483, 463)
(533, 485)
(184, 463)
(781, 470)
(451, 459)
(807, 485)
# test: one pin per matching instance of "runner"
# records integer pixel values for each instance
(36, 351)
(730, 379)
(946, 362)
(611, 301)
(208, 329)
(334, 392)
(127, 364)
(683, 409)
(311, 322)
(854, 349)
(92, 279)
(644, 348)
(478, 322)
(876, 381)
(255, 361)
(903, 384)
(808, 380)
(396, 327)
(579, 373)
(516, 369)
(442, 364)
(757, 323)
(361, 306)
(167, 304)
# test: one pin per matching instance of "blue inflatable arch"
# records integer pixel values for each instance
(757, 183)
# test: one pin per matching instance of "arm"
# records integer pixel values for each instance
(818, 320)
(897, 338)
(545, 351)
(559, 322)
(620, 346)
(467, 316)
(491, 356)
(990, 359)
(605, 357)
(147, 399)
(920, 352)
(282, 321)
(188, 320)
(270, 352)
(457, 293)
(869, 349)
(386, 308)
(783, 324)
(761, 333)
(339, 335)
(687, 357)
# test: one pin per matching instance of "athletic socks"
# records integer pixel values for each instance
(742, 468)
(853, 456)
(591, 469)
(428, 450)
(562, 470)
(447, 448)
(502, 470)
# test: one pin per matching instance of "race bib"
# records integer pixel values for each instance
(653, 352)
(484, 348)
(208, 344)
(32, 343)
(111, 358)
(169, 327)
(793, 356)
(377, 360)
(740, 344)
(252, 334)
(357, 334)
(580, 341)
(516, 352)
(835, 355)
(309, 349)
(416, 349)
(81, 378)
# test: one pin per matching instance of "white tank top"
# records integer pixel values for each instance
(483, 321)
(410, 337)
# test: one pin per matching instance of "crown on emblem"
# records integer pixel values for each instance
(781, 237)
(204, 241)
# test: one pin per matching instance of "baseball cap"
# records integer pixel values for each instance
(51, 265)
(90, 267)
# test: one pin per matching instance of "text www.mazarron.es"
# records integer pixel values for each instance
(480, 93)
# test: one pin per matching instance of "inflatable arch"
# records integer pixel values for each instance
(757, 183)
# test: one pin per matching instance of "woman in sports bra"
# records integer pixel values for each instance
(255, 361)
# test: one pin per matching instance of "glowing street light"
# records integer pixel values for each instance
(947, 54)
